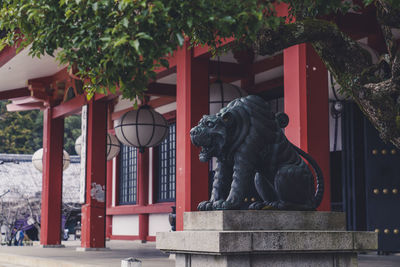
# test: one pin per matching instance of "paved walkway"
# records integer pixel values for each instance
(36, 256)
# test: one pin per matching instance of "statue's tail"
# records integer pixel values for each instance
(282, 120)
(319, 193)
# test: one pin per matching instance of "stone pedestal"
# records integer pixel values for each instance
(265, 238)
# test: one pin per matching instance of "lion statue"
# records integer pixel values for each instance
(257, 167)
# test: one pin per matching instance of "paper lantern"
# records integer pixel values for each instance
(141, 128)
(37, 160)
(223, 93)
(113, 146)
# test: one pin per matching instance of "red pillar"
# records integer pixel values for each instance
(93, 212)
(306, 103)
(191, 105)
(109, 197)
(143, 193)
(53, 134)
(109, 181)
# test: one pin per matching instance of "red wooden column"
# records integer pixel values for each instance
(306, 103)
(93, 212)
(191, 105)
(109, 179)
(53, 134)
(109, 197)
(143, 193)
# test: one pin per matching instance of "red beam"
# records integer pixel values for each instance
(267, 85)
(164, 207)
(161, 89)
(267, 64)
(6, 55)
(14, 93)
(204, 51)
(226, 69)
(70, 107)
(23, 107)
(166, 72)
(132, 237)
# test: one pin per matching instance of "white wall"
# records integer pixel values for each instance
(158, 223)
(125, 225)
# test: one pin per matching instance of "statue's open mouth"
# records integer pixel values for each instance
(207, 152)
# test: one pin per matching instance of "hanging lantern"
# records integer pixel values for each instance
(78, 145)
(113, 146)
(220, 93)
(37, 160)
(141, 128)
(223, 93)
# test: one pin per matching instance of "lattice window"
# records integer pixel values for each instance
(128, 175)
(167, 167)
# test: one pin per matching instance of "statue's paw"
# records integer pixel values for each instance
(226, 205)
(275, 205)
(204, 205)
(217, 205)
(258, 205)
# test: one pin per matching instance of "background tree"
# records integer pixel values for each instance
(112, 41)
(22, 132)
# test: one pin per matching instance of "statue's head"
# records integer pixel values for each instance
(244, 118)
(212, 135)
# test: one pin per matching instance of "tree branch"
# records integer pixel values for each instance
(372, 87)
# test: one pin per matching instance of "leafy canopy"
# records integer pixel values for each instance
(121, 42)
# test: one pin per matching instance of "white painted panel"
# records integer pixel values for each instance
(122, 104)
(158, 223)
(125, 225)
(166, 108)
(269, 75)
(16, 72)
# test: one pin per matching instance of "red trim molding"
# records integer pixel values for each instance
(136, 209)
(15, 93)
(132, 237)
(6, 55)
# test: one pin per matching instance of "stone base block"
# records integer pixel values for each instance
(269, 260)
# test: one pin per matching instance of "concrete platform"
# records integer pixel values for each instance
(150, 256)
(266, 238)
(253, 220)
(36, 256)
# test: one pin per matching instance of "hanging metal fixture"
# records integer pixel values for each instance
(221, 93)
(113, 146)
(37, 160)
(141, 128)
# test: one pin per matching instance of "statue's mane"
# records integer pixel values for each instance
(255, 120)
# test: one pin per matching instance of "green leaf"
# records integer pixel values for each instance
(135, 44)
(164, 63)
(180, 38)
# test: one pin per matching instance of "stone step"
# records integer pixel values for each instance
(249, 220)
(232, 242)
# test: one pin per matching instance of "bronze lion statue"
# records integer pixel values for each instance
(257, 167)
